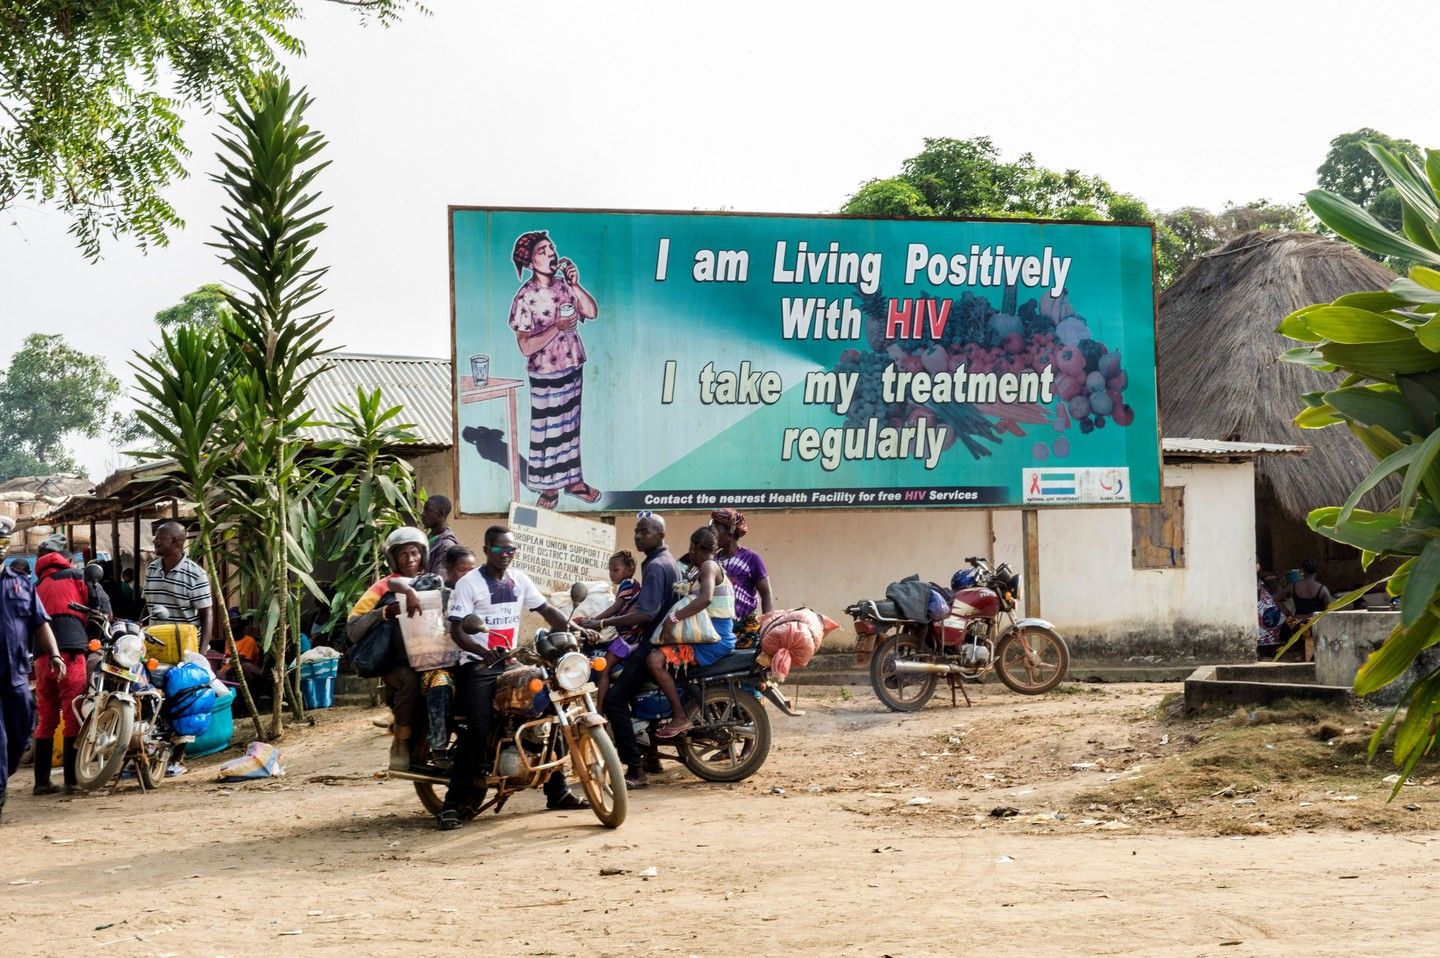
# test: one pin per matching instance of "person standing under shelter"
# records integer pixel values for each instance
(21, 615)
(435, 518)
(658, 575)
(177, 584)
(1310, 598)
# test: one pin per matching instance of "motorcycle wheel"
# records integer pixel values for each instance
(1032, 660)
(731, 754)
(900, 692)
(598, 767)
(103, 742)
(154, 759)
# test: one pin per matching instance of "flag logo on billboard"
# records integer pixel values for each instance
(1077, 485)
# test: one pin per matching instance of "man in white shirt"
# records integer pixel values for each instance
(498, 595)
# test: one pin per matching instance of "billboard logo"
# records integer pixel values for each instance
(1107, 484)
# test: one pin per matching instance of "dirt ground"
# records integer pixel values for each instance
(1134, 831)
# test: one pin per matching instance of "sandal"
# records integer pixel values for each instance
(548, 499)
(448, 820)
(674, 729)
(568, 802)
(583, 491)
(635, 778)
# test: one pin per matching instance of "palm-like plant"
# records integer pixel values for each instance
(184, 404)
(365, 492)
(1388, 342)
(269, 165)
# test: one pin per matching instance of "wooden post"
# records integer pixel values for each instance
(93, 550)
(1030, 533)
(115, 541)
(139, 579)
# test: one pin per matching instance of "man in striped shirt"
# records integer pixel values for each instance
(179, 584)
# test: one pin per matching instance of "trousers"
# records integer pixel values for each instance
(617, 703)
(54, 697)
(17, 714)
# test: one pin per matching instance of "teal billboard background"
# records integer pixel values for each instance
(621, 413)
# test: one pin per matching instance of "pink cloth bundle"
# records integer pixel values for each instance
(791, 637)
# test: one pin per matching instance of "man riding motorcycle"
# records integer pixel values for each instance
(405, 549)
(497, 594)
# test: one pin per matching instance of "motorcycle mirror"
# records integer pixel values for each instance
(472, 624)
(94, 572)
(578, 592)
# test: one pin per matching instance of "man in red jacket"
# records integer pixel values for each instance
(60, 584)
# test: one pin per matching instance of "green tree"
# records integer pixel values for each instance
(951, 177)
(1351, 171)
(202, 309)
(1196, 231)
(1388, 345)
(92, 94)
(51, 391)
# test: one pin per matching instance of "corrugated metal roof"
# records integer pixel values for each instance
(1228, 450)
(420, 383)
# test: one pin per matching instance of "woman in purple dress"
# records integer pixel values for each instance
(747, 573)
(545, 316)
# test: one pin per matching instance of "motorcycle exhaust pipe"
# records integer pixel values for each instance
(931, 668)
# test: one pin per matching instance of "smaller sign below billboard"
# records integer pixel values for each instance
(1086, 485)
(556, 550)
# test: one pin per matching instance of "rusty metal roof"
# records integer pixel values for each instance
(1218, 449)
(421, 384)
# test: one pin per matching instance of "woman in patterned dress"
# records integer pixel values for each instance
(545, 316)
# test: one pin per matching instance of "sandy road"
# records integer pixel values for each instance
(837, 865)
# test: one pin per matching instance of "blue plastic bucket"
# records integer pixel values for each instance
(317, 683)
(216, 738)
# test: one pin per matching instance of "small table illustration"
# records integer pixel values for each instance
(495, 389)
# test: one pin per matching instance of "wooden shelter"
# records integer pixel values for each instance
(1221, 378)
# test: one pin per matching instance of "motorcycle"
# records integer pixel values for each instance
(908, 657)
(730, 738)
(122, 714)
(544, 716)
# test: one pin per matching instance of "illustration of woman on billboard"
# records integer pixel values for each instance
(546, 314)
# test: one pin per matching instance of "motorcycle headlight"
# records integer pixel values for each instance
(572, 671)
(126, 651)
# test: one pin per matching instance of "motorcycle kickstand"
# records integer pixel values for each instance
(953, 685)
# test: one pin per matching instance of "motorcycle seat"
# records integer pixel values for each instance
(740, 661)
(887, 609)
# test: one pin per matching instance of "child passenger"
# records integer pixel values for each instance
(627, 590)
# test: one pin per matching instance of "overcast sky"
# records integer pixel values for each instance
(768, 106)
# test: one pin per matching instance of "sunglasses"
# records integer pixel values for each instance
(644, 515)
(500, 550)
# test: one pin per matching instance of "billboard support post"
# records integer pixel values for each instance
(1030, 533)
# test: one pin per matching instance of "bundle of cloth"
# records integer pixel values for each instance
(790, 637)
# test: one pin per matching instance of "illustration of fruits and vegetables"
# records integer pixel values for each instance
(1089, 385)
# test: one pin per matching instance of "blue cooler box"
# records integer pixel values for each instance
(317, 683)
(216, 738)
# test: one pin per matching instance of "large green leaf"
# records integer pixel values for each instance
(1346, 324)
(1376, 405)
(1415, 472)
(1414, 192)
(1389, 662)
(1355, 224)
(1381, 360)
(1424, 580)
(1382, 532)
(1421, 392)
(1387, 467)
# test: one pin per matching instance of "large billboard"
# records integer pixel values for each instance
(623, 361)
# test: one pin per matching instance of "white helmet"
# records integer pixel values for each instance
(404, 536)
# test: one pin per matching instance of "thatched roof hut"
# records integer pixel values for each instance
(1220, 375)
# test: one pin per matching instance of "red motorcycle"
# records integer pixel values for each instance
(908, 655)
